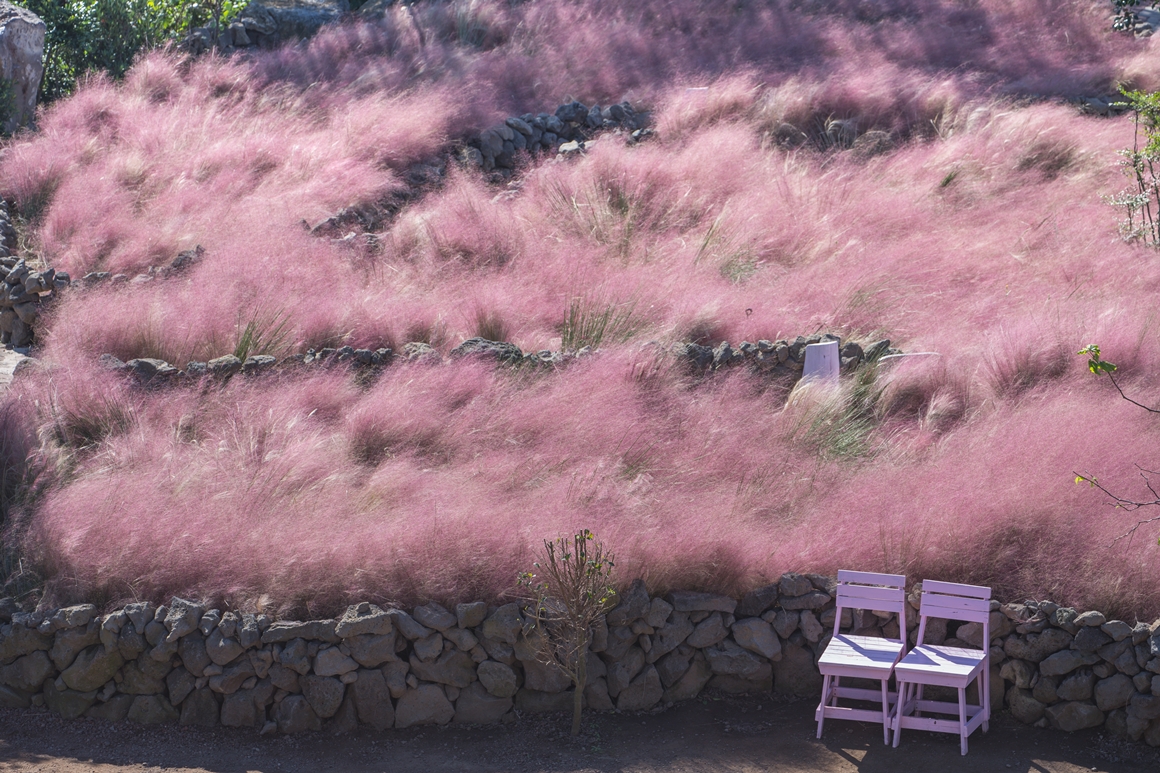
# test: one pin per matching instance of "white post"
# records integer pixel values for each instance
(822, 362)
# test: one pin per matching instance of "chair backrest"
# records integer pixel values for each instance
(955, 601)
(867, 590)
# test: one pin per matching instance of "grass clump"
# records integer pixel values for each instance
(589, 324)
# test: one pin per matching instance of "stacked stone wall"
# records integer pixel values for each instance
(477, 664)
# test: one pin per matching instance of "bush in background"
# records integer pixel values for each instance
(106, 35)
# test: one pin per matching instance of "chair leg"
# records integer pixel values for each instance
(899, 708)
(824, 702)
(963, 720)
(885, 715)
(986, 688)
(918, 697)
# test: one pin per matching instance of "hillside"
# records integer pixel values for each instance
(932, 173)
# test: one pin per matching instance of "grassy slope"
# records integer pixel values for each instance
(982, 237)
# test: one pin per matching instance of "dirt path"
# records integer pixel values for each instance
(735, 735)
(8, 362)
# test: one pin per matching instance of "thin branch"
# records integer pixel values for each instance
(1128, 505)
(1133, 402)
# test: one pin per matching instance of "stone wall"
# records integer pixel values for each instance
(783, 358)
(23, 289)
(386, 668)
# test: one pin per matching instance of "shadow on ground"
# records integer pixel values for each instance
(740, 735)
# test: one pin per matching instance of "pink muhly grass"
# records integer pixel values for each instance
(980, 236)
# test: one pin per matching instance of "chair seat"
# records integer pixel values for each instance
(869, 656)
(938, 665)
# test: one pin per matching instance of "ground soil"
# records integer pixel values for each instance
(8, 362)
(739, 735)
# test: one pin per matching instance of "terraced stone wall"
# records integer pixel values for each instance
(389, 668)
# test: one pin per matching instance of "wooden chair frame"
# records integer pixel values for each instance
(955, 667)
(865, 657)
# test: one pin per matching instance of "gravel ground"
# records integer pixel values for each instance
(741, 735)
(8, 361)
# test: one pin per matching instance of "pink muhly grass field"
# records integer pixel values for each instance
(980, 236)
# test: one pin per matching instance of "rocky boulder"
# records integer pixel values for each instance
(21, 62)
(270, 21)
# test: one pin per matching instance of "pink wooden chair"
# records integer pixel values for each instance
(946, 666)
(866, 657)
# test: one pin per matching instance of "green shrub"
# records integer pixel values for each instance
(1141, 200)
(106, 35)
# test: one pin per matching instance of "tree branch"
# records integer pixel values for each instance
(1133, 402)
(1123, 503)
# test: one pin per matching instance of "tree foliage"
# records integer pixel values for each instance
(1126, 17)
(105, 35)
(1141, 200)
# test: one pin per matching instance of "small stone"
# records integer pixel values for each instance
(643, 693)
(200, 709)
(470, 615)
(1066, 661)
(435, 616)
(634, 605)
(28, 673)
(288, 630)
(756, 635)
(793, 585)
(209, 621)
(370, 650)
(690, 601)
(1117, 629)
(658, 613)
(454, 667)
(362, 619)
(372, 699)
(92, 668)
(224, 367)
(758, 601)
(429, 647)
(708, 632)
(408, 626)
(295, 715)
(1036, 647)
(1114, 692)
(622, 671)
(1091, 619)
(324, 694)
(1073, 715)
(332, 662)
(1076, 686)
(116, 709)
(498, 679)
(692, 682)
(504, 625)
(152, 710)
(476, 705)
(426, 704)
(221, 650)
(180, 683)
(675, 632)
(812, 600)
(462, 638)
(810, 627)
(1024, 707)
(1018, 672)
(70, 704)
